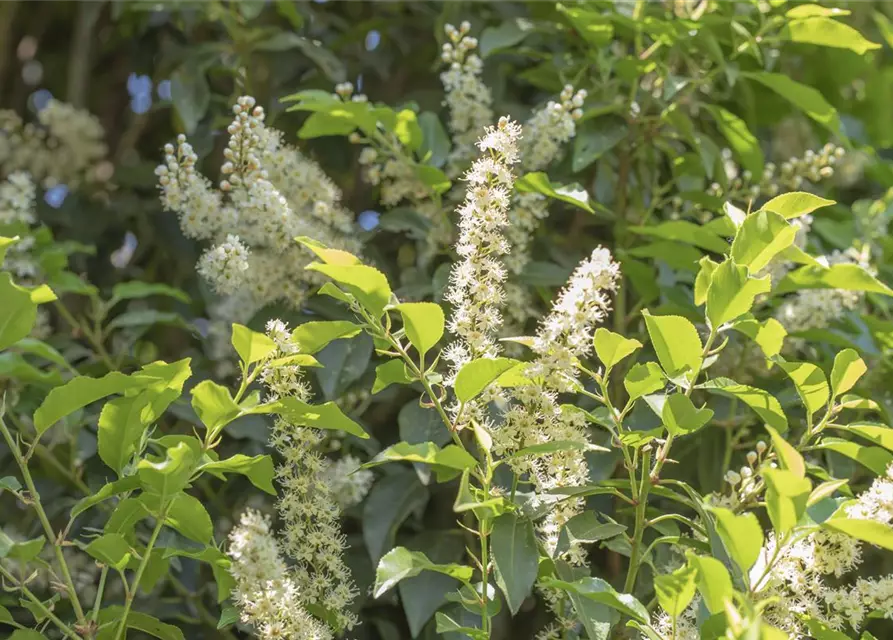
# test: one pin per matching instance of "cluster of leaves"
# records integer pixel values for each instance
(117, 457)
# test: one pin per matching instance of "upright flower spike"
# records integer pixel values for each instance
(266, 592)
(535, 416)
(475, 289)
(467, 97)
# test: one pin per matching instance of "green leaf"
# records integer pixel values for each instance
(684, 231)
(435, 140)
(26, 634)
(136, 289)
(600, 591)
(820, 631)
(586, 528)
(876, 433)
(476, 375)
(313, 336)
(9, 483)
(214, 405)
(539, 182)
(401, 563)
(219, 563)
(78, 393)
(169, 475)
(732, 292)
(874, 458)
(135, 620)
(763, 235)
(810, 382)
(612, 347)
(188, 515)
(122, 423)
(433, 178)
(367, 284)
(251, 345)
(826, 33)
(507, 34)
(676, 342)
(675, 590)
(786, 498)
(423, 323)
(848, 368)
(318, 416)
(803, 97)
(111, 549)
(18, 314)
(795, 204)
(327, 255)
(849, 277)
(743, 142)
(703, 279)
(407, 129)
(230, 615)
(680, 415)
(391, 372)
(592, 26)
(23, 551)
(447, 462)
(643, 379)
(877, 533)
(762, 402)
(445, 625)
(713, 582)
(389, 503)
(515, 558)
(788, 456)
(258, 469)
(128, 483)
(42, 350)
(595, 138)
(741, 535)
(769, 335)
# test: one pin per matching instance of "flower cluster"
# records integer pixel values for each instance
(308, 506)
(805, 575)
(475, 289)
(266, 592)
(270, 193)
(468, 98)
(65, 146)
(348, 482)
(535, 416)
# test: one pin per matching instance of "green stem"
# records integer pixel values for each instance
(639, 531)
(51, 536)
(64, 628)
(94, 615)
(135, 583)
(484, 527)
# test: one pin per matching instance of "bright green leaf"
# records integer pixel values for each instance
(732, 292)
(810, 383)
(762, 402)
(826, 33)
(762, 236)
(742, 536)
(795, 204)
(848, 368)
(313, 336)
(788, 456)
(643, 379)
(676, 342)
(539, 183)
(476, 375)
(612, 347)
(423, 323)
(675, 590)
(367, 284)
(251, 345)
(401, 563)
(713, 582)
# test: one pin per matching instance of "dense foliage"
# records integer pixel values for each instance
(462, 320)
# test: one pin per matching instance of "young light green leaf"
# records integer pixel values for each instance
(875, 458)
(586, 528)
(251, 345)
(78, 393)
(476, 375)
(188, 515)
(826, 32)
(111, 549)
(676, 342)
(680, 415)
(368, 285)
(447, 462)
(703, 279)
(401, 563)
(258, 469)
(849, 277)
(848, 368)
(768, 335)
(675, 590)
(166, 476)
(18, 313)
(214, 405)
(137, 289)
(786, 497)
(877, 433)
(128, 483)
(122, 423)
(24, 551)
(795, 204)
(313, 336)
(870, 531)
(612, 347)
(643, 379)
(327, 255)
(741, 535)
(763, 235)
(423, 323)
(732, 292)
(600, 591)
(763, 403)
(810, 382)
(318, 416)
(139, 621)
(391, 372)
(788, 456)
(684, 231)
(713, 582)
